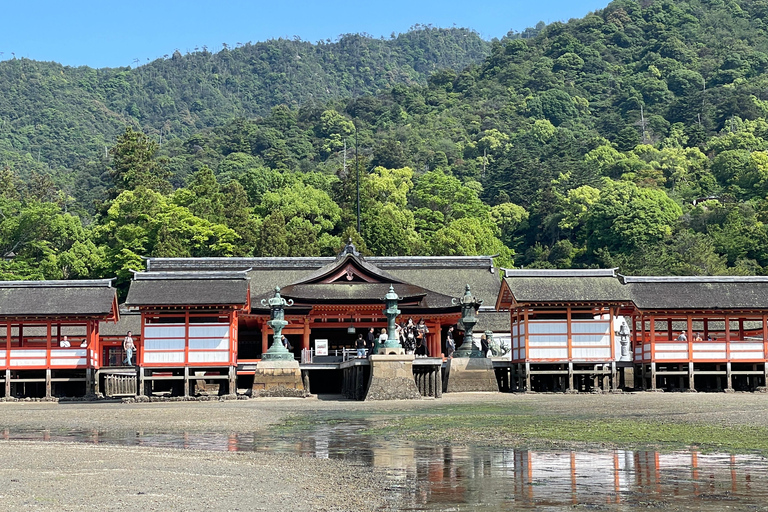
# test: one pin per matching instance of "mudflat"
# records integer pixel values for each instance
(79, 476)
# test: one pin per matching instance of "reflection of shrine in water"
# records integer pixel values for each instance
(432, 476)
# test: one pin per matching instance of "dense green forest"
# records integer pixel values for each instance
(62, 115)
(634, 137)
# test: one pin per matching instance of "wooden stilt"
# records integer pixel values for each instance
(570, 376)
(614, 377)
(528, 376)
(89, 381)
(691, 376)
(765, 375)
(142, 390)
(48, 381)
(7, 383)
(653, 376)
(186, 381)
(232, 380)
(728, 377)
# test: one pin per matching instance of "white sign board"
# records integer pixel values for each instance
(321, 347)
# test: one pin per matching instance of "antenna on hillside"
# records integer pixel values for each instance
(136, 62)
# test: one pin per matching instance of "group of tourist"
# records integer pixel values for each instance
(696, 337)
(65, 343)
(412, 337)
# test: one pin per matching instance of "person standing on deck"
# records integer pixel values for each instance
(484, 345)
(450, 345)
(371, 341)
(360, 346)
(129, 347)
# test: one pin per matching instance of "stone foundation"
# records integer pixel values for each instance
(392, 378)
(471, 374)
(278, 378)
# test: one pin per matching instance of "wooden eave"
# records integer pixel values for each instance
(184, 307)
(708, 312)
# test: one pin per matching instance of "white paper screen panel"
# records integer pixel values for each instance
(209, 344)
(163, 344)
(709, 355)
(747, 346)
(578, 327)
(671, 355)
(672, 347)
(80, 361)
(68, 352)
(163, 357)
(548, 341)
(209, 331)
(550, 327)
(164, 331)
(746, 355)
(548, 353)
(208, 357)
(27, 353)
(591, 340)
(710, 346)
(603, 354)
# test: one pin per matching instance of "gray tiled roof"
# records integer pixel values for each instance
(708, 293)
(188, 288)
(56, 298)
(566, 288)
(445, 275)
(129, 321)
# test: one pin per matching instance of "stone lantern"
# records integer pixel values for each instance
(624, 342)
(469, 307)
(392, 345)
(277, 352)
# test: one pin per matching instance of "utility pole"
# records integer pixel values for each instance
(642, 122)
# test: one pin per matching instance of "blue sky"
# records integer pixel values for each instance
(111, 33)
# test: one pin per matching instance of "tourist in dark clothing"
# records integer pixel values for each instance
(450, 344)
(360, 346)
(370, 341)
(484, 345)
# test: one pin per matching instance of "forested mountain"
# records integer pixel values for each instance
(636, 136)
(63, 114)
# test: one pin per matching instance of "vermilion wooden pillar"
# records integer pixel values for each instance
(264, 338)
(305, 338)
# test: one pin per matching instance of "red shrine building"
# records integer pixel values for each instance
(200, 325)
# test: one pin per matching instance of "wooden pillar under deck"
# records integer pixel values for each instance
(729, 383)
(264, 338)
(527, 376)
(305, 337)
(652, 329)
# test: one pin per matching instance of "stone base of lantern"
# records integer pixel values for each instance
(470, 374)
(392, 378)
(394, 351)
(278, 378)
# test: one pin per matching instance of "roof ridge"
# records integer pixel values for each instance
(190, 276)
(693, 279)
(59, 283)
(570, 272)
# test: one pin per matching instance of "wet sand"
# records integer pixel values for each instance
(64, 476)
